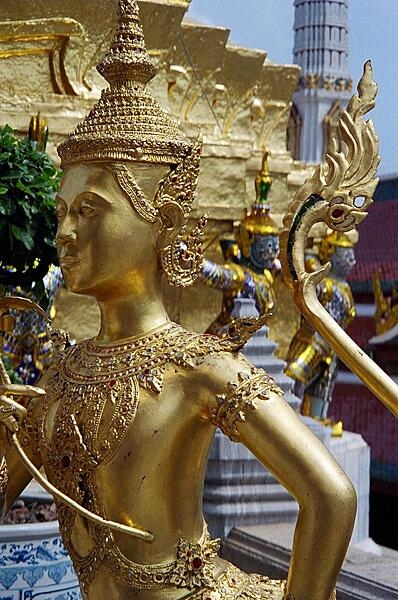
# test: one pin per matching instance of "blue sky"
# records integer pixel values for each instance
(373, 25)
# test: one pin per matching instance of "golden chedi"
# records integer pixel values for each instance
(128, 419)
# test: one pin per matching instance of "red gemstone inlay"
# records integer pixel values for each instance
(112, 383)
(197, 563)
(65, 462)
(337, 213)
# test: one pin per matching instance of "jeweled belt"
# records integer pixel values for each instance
(192, 568)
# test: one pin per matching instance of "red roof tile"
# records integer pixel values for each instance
(377, 249)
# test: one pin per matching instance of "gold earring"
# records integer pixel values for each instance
(182, 259)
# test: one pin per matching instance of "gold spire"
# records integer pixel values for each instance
(258, 221)
(263, 180)
(127, 123)
(127, 58)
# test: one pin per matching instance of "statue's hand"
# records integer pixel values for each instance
(12, 413)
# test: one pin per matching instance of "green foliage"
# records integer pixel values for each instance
(15, 378)
(28, 185)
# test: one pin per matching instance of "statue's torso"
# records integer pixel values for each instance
(125, 432)
(123, 436)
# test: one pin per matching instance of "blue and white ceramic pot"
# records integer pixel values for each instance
(34, 564)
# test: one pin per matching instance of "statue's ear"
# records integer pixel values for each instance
(172, 219)
(244, 239)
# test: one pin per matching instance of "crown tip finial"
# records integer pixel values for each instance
(263, 181)
(127, 59)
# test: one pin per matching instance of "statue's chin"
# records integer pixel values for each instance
(76, 287)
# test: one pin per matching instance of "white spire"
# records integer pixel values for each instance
(321, 49)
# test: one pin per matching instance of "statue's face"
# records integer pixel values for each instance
(104, 247)
(342, 261)
(264, 250)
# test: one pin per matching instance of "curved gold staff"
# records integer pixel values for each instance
(339, 194)
(7, 418)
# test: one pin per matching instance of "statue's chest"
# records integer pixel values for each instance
(94, 394)
(85, 422)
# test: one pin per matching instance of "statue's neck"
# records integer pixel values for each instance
(131, 315)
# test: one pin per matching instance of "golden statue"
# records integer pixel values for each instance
(129, 416)
(386, 316)
(252, 260)
(310, 360)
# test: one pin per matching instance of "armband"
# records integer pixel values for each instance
(241, 397)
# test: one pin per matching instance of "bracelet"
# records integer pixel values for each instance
(3, 476)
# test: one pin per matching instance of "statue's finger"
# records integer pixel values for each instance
(9, 422)
(10, 407)
(14, 389)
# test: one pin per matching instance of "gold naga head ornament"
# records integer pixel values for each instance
(339, 194)
(258, 221)
(128, 126)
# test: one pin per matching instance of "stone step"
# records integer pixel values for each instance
(277, 365)
(242, 464)
(241, 493)
(366, 575)
(276, 512)
(223, 474)
(266, 345)
(284, 381)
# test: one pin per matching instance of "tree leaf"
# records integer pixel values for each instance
(23, 236)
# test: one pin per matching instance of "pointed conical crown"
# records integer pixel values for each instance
(258, 221)
(127, 123)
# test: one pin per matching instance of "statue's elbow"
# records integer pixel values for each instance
(338, 503)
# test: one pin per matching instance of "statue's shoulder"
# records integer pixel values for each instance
(60, 344)
(237, 269)
(230, 387)
(217, 361)
(236, 335)
(326, 289)
(267, 277)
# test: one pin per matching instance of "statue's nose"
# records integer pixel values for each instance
(66, 232)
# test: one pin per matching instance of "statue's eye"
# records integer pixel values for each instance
(87, 210)
(60, 213)
(359, 201)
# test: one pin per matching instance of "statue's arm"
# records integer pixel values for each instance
(281, 441)
(251, 410)
(222, 277)
(14, 476)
